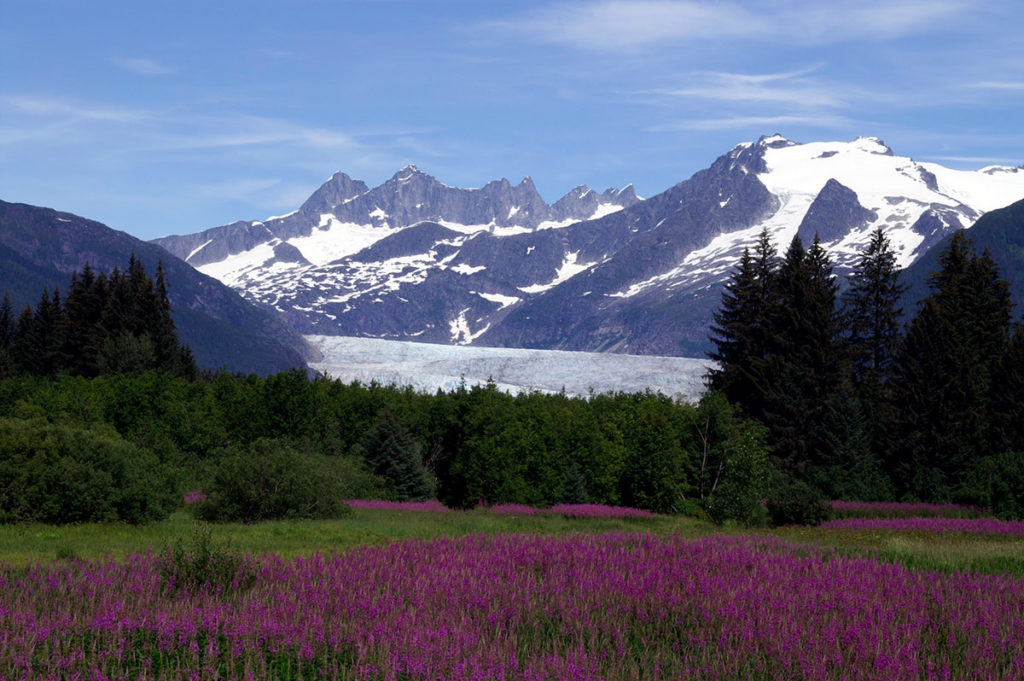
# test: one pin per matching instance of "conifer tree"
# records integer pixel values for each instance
(1008, 397)
(814, 426)
(393, 453)
(25, 344)
(740, 329)
(944, 374)
(6, 335)
(872, 312)
(872, 328)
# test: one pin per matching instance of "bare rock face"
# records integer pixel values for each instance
(834, 213)
(416, 259)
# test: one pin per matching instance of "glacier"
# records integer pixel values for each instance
(430, 367)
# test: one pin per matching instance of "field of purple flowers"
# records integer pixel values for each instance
(989, 526)
(887, 509)
(624, 606)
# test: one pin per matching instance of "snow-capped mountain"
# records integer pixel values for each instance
(397, 261)
(656, 295)
(414, 259)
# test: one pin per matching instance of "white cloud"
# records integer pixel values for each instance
(40, 106)
(790, 88)
(141, 66)
(762, 123)
(990, 160)
(244, 130)
(618, 25)
(999, 85)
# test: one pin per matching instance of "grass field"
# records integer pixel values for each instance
(24, 544)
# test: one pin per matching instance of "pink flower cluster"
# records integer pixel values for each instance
(1013, 528)
(580, 607)
(194, 497)
(599, 511)
(886, 509)
(573, 511)
(432, 505)
(513, 509)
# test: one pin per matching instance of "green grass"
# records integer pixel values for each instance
(24, 544)
(945, 552)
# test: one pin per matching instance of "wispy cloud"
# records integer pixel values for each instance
(621, 25)
(871, 19)
(991, 160)
(999, 85)
(141, 66)
(761, 123)
(618, 25)
(50, 107)
(243, 130)
(791, 88)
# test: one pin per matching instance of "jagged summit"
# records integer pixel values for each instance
(415, 259)
(775, 141)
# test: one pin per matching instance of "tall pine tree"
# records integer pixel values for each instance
(944, 375)
(6, 335)
(873, 330)
(740, 329)
(806, 358)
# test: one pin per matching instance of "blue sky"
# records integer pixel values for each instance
(161, 118)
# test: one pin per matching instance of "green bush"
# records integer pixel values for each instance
(274, 479)
(997, 483)
(794, 502)
(201, 565)
(57, 473)
(746, 472)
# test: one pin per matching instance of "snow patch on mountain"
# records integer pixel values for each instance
(568, 269)
(333, 239)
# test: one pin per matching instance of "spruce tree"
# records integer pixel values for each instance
(6, 335)
(25, 344)
(944, 374)
(393, 453)
(1008, 397)
(872, 313)
(740, 329)
(872, 329)
(814, 425)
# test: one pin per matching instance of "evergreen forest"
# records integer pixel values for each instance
(105, 416)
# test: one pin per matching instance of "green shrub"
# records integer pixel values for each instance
(57, 473)
(201, 565)
(997, 483)
(274, 479)
(794, 502)
(746, 472)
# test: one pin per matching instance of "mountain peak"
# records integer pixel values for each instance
(872, 145)
(338, 189)
(775, 141)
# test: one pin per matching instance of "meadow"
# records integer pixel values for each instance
(417, 592)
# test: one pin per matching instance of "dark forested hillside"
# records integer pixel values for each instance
(41, 247)
(1001, 232)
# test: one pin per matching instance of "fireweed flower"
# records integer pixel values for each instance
(1012, 528)
(886, 509)
(586, 607)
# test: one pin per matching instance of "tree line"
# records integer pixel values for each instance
(104, 416)
(106, 324)
(288, 445)
(861, 406)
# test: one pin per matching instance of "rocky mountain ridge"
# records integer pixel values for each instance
(414, 259)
